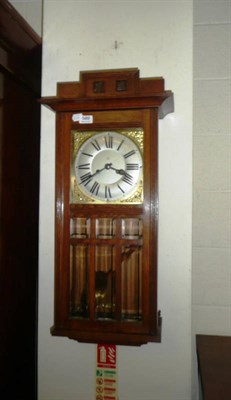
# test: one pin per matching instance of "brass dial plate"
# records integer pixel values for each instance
(107, 166)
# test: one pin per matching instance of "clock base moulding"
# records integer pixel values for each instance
(108, 338)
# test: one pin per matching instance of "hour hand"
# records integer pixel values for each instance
(118, 171)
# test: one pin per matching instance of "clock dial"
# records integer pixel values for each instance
(108, 167)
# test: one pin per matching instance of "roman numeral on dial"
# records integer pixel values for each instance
(107, 192)
(120, 188)
(129, 154)
(108, 142)
(121, 143)
(87, 154)
(128, 179)
(84, 166)
(95, 188)
(132, 167)
(96, 145)
(86, 178)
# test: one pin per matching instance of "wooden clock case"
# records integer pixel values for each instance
(111, 100)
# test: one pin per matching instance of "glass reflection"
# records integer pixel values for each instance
(105, 282)
(79, 276)
(131, 283)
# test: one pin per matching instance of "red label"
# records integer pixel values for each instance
(106, 355)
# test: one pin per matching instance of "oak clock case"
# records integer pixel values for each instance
(107, 207)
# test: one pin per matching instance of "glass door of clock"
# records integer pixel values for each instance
(101, 287)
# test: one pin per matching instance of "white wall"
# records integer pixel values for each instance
(212, 168)
(156, 37)
(211, 281)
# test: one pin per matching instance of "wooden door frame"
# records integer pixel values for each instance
(20, 47)
(20, 67)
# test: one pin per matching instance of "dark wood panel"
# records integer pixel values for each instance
(19, 190)
(214, 359)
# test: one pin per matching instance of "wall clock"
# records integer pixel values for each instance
(106, 213)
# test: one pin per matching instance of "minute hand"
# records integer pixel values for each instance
(98, 171)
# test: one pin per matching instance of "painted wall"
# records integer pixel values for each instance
(212, 168)
(156, 37)
(211, 279)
